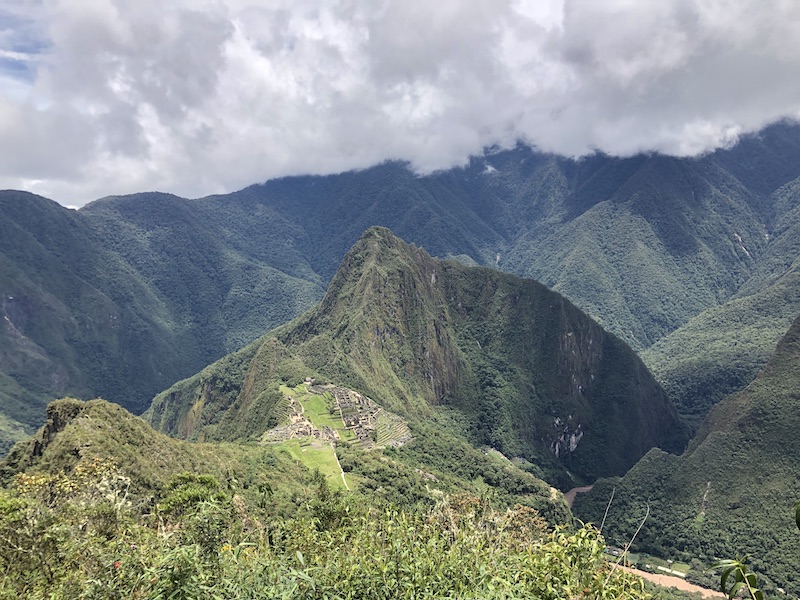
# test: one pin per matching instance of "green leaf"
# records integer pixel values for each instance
(727, 566)
(739, 585)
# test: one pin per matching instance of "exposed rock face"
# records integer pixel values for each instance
(59, 415)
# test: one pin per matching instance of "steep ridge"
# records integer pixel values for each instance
(219, 288)
(720, 350)
(733, 491)
(641, 244)
(79, 433)
(76, 318)
(647, 244)
(523, 370)
(94, 305)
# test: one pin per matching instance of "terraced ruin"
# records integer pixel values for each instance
(314, 418)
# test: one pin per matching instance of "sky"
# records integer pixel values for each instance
(196, 97)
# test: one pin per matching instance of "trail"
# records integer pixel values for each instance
(344, 481)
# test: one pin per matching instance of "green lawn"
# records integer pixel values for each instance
(316, 409)
(315, 454)
(640, 560)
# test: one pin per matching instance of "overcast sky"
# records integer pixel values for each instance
(101, 97)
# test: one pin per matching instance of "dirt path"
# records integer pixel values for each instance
(344, 481)
(570, 495)
(676, 582)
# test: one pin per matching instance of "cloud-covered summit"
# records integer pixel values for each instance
(102, 97)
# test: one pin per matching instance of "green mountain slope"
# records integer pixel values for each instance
(77, 431)
(733, 491)
(95, 305)
(523, 370)
(642, 244)
(76, 319)
(647, 245)
(721, 350)
(220, 288)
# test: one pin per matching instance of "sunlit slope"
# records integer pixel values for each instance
(525, 371)
(734, 490)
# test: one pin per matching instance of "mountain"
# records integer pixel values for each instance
(521, 368)
(732, 492)
(642, 244)
(76, 318)
(82, 432)
(220, 288)
(77, 431)
(100, 307)
(723, 348)
(720, 350)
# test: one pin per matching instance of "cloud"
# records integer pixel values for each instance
(105, 97)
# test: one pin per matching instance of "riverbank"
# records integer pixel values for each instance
(676, 582)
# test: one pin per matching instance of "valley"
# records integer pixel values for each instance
(383, 348)
(160, 286)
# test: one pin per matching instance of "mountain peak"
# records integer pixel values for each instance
(379, 233)
(530, 373)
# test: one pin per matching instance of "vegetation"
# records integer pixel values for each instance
(83, 536)
(721, 350)
(530, 374)
(730, 493)
(692, 262)
(249, 521)
(130, 294)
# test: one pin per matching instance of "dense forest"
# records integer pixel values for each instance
(351, 416)
(129, 294)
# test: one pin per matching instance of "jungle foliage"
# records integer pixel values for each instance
(732, 492)
(99, 505)
(529, 374)
(84, 535)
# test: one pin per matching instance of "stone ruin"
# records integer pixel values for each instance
(370, 423)
(299, 427)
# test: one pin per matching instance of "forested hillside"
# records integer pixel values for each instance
(139, 291)
(733, 492)
(77, 318)
(525, 371)
(720, 350)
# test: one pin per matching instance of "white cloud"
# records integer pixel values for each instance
(104, 97)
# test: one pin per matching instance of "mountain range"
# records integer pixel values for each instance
(129, 294)
(280, 326)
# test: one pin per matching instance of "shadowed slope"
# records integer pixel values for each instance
(733, 491)
(529, 373)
